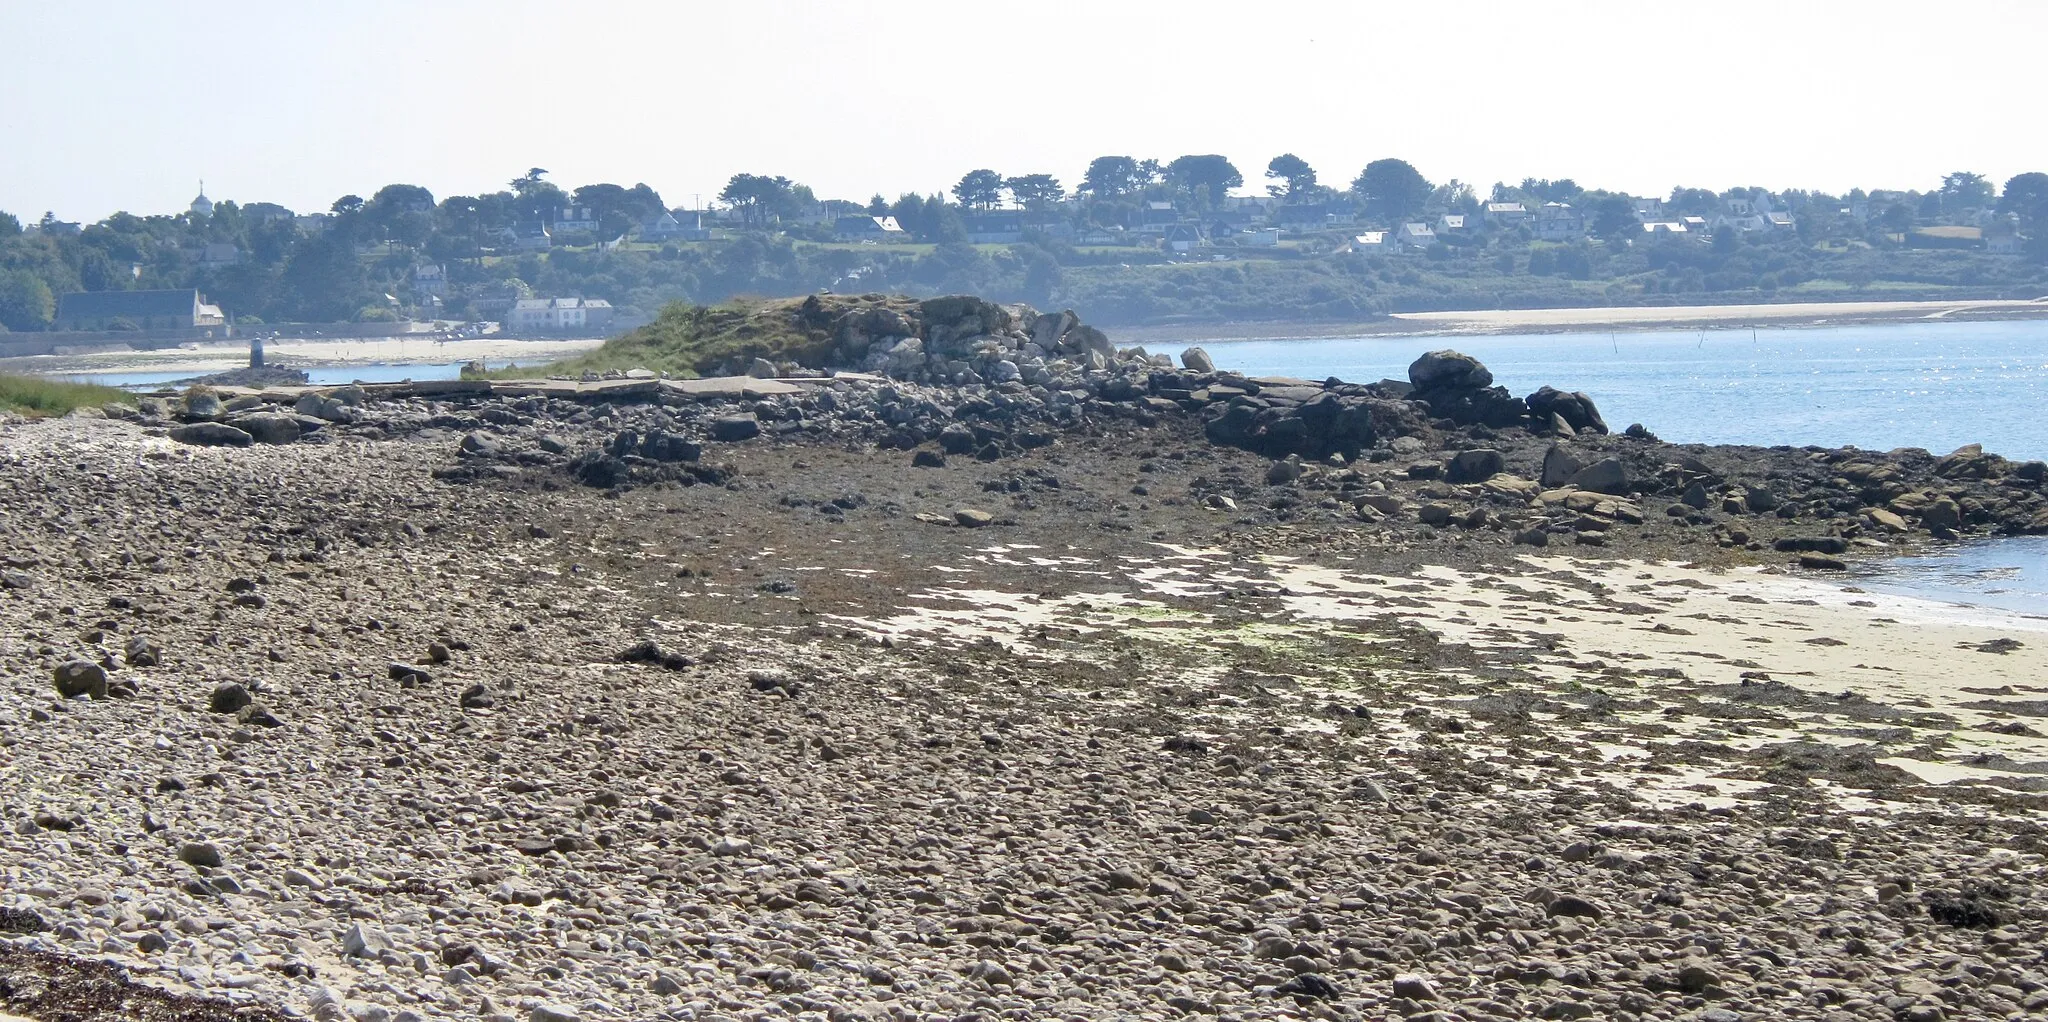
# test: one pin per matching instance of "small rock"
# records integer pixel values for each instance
(1414, 987)
(361, 940)
(228, 697)
(972, 518)
(81, 678)
(200, 853)
(1569, 905)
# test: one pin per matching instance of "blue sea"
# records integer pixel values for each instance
(1932, 385)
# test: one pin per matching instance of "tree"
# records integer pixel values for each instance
(618, 209)
(1294, 170)
(758, 197)
(879, 206)
(1614, 218)
(1898, 218)
(1963, 191)
(1110, 177)
(1207, 178)
(1035, 191)
(9, 226)
(25, 301)
(324, 280)
(980, 189)
(1692, 200)
(2025, 194)
(1391, 190)
(348, 205)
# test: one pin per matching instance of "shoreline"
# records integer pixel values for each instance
(296, 353)
(1489, 322)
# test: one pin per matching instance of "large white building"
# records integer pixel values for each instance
(555, 315)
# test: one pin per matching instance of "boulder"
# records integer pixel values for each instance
(1575, 409)
(1604, 476)
(1198, 361)
(733, 428)
(270, 428)
(1448, 370)
(1559, 466)
(202, 404)
(211, 434)
(1474, 466)
(81, 678)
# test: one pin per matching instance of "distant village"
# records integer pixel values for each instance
(450, 261)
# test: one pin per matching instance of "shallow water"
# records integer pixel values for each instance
(2009, 574)
(324, 376)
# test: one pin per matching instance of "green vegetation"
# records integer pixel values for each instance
(39, 398)
(689, 340)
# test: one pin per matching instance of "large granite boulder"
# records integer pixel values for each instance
(1448, 370)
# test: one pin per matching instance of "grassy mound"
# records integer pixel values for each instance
(36, 397)
(690, 340)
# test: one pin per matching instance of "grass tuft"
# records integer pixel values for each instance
(36, 397)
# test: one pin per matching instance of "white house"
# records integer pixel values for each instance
(1779, 221)
(1558, 221)
(1266, 238)
(1695, 224)
(1451, 223)
(1507, 214)
(868, 228)
(430, 279)
(1185, 238)
(1664, 227)
(1415, 236)
(1372, 243)
(2002, 236)
(1647, 210)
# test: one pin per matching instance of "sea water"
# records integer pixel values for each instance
(1932, 384)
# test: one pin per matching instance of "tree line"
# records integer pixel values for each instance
(366, 248)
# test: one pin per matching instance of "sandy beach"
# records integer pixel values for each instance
(1518, 321)
(302, 353)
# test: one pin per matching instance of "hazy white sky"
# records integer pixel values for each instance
(125, 104)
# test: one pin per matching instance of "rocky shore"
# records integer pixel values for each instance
(1002, 674)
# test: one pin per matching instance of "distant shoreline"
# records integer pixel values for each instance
(301, 353)
(1484, 322)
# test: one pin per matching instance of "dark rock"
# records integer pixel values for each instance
(1760, 500)
(1604, 476)
(1559, 466)
(1576, 409)
(1811, 544)
(1695, 496)
(1309, 986)
(1822, 562)
(142, 652)
(200, 853)
(734, 428)
(1474, 466)
(928, 459)
(228, 697)
(81, 678)
(211, 434)
(1570, 905)
(270, 428)
(647, 651)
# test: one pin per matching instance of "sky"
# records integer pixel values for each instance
(112, 105)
